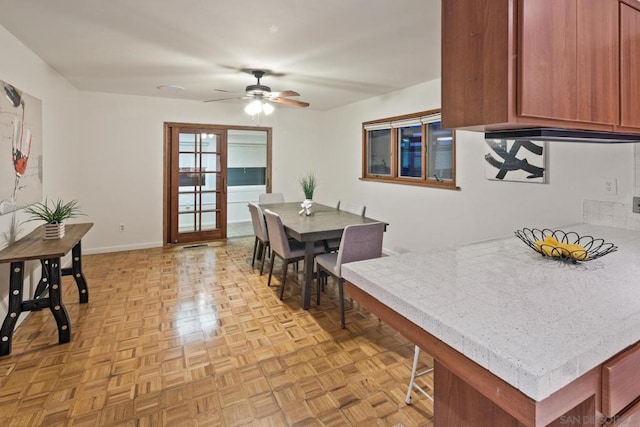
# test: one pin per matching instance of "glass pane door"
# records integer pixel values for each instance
(198, 185)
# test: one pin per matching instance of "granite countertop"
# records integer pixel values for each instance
(536, 322)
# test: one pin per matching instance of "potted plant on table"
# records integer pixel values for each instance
(308, 182)
(54, 216)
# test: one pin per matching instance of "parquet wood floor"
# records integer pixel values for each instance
(194, 337)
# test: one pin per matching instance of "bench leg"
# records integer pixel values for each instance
(16, 279)
(55, 302)
(76, 272)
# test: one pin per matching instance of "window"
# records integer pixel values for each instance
(413, 149)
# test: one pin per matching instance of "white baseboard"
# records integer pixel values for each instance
(121, 248)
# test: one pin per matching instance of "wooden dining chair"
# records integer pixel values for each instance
(359, 242)
(269, 198)
(287, 250)
(261, 244)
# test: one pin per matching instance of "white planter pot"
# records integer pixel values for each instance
(53, 231)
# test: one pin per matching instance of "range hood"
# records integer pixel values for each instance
(569, 135)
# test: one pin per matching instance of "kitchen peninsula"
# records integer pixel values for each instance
(517, 338)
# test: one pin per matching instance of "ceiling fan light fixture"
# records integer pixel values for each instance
(254, 107)
(262, 97)
(257, 106)
(267, 108)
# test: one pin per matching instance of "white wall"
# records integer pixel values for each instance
(122, 167)
(60, 127)
(422, 217)
(60, 118)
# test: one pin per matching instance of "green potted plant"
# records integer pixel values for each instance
(53, 216)
(308, 182)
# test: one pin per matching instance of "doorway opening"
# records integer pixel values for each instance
(248, 157)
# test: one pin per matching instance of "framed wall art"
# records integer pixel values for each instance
(516, 160)
(20, 149)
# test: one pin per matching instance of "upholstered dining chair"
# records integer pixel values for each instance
(414, 375)
(261, 244)
(268, 198)
(331, 203)
(359, 242)
(332, 245)
(287, 250)
(353, 208)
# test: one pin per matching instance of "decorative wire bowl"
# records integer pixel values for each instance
(567, 246)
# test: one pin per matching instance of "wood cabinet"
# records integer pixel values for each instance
(477, 66)
(568, 65)
(598, 60)
(621, 381)
(629, 66)
(531, 63)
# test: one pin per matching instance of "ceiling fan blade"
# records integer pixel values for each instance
(292, 102)
(228, 91)
(283, 94)
(224, 99)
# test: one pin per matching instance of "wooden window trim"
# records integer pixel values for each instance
(394, 177)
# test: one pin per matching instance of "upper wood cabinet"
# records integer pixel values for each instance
(629, 66)
(476, 64)
(568, 54)
(530, 63)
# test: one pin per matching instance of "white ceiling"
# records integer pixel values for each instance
(332, 52)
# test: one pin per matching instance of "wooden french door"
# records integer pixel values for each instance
(195, 171)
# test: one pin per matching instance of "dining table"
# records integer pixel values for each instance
(323, 223)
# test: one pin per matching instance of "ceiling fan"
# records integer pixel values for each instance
(259, 92)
